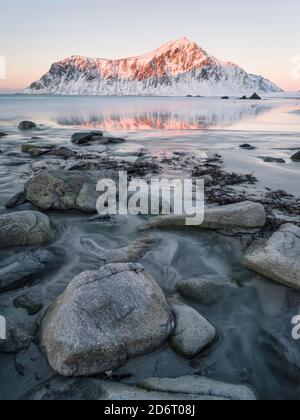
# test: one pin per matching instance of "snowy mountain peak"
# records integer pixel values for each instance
(178, 68)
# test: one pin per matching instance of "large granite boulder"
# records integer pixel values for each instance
(192, 332)
(17, 269)
(200, 386)
(85, 137)
(104, 318)
(279, 257)
(245, 215)
(25, 228)
(27, 125)
(66, 190)
(94, 137)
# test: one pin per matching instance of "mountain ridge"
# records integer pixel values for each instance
(177, 68)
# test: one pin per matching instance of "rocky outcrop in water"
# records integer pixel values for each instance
(279, 257)
(96, 137)
(104, 318)
(192, 332)
(27, 125)
(25, 228)
(245, 215)
(296, 157)
(66, 190)
(16, 270)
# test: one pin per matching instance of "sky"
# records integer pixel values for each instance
(262, 36)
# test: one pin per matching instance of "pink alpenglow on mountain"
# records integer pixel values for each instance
(179, 68)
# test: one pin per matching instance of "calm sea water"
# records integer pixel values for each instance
(248, 319)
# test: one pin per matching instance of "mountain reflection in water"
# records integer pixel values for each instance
(215, 115)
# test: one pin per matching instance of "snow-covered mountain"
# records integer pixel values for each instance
(178, 68)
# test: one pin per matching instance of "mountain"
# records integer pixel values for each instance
(178, 68)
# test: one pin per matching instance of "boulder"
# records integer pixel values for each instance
(104, 318)
(225, 97)
(192, 332)
(66, 190)
(269, 159)
(203, 290)
(200, 386)
(83, 138)
(247, 146)
(278, 258)
(245, 215)
(15, 271)
(27, 125)
(296, 157)
(25, 228)
(62, 151)
(35, 150)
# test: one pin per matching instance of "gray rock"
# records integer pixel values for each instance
(245, 215)
(25, 228)
(104, 318)
(269, 159)
(15, 271)
(131, 253)
(16, 200)
(192, 332)
(203, 290)
(36, 150)
(296, 157)
(83, 138)
(64, 152)
(90, 389)
(247, 146)
(94, 137)
(66, 190)
(200, 386)
(27, 125)
(279, 257)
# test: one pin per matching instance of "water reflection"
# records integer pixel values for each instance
(184, 117)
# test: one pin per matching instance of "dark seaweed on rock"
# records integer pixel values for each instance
(223, 178)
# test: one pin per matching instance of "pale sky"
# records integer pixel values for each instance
(263, 36)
